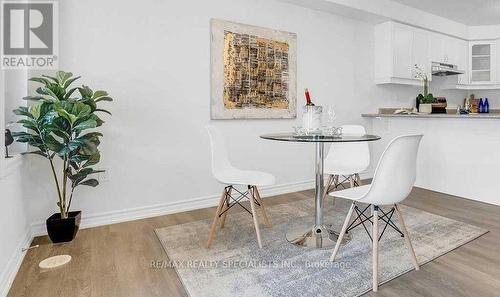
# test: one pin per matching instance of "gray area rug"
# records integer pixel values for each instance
(235, 266)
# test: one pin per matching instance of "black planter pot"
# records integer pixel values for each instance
(63, 230)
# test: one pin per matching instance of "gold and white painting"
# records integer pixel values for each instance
(253, 72)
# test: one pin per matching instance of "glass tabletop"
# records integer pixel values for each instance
(319, 138)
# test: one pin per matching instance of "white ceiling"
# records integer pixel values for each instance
(468, 12)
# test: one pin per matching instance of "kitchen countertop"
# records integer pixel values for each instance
(434, 115)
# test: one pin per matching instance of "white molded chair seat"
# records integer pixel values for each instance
(348, 158)
(392, 182)
(355, 193)
(227, 174)
(345, 161)
(234, 176)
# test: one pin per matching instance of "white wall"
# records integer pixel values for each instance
(154, 60)
(15, 231)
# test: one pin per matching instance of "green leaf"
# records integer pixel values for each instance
(34, 98)
(90, 182)
(53, 145)
(97, 119)
(103, 110)
(69, 93)
(81, 175)
(70, 81)
(40, 153)
(63, 76)
(99, 94)
(23, 111)
(94, 159)
(52, 78)
(88, 124)
(45, 108)
(48, 92)
(90, 135)
(59, 91)
(40, 80)
(59, 107)
(35, 110)
(86, 92)
(104, 99)
(81, 110)
(30, 124)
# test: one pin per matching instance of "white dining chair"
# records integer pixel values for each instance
(392, 183)
(230, 177)
(345, 161)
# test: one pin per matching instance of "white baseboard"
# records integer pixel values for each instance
(8, 275)
(131, 214)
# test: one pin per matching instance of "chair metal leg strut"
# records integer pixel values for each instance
(362, 218)
(228, 201)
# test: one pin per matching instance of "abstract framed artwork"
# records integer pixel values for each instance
(253, 72)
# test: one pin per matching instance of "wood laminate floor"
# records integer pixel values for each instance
(115, 260)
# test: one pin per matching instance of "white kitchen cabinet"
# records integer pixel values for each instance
(438, 48)
(397, 49)
(457, 54)
(421, 49)
(482, 62)
(402, 52)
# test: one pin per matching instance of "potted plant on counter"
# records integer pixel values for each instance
(425, 99)
(61, 124)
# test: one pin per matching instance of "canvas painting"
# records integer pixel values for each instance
(253, 72)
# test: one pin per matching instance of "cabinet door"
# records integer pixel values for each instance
(402, 41)
(451, 51)
(482, 62)
(421, 52)
(437, 42)
(456, 54)
(463, 61)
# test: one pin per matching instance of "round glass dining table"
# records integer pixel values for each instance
(319, 235)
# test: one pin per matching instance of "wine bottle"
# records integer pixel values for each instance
(486, 106)
(481, 105)
(308, 98)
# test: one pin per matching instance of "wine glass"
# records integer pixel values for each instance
(330, 115)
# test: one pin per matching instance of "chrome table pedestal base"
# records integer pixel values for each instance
(315, 237)
(318, 235)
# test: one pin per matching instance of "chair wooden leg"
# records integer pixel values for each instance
(216, 218)
(351, 181)
(254, 215)
(407, 238)
(342, 232)
(375, 249)
(225, 206)
(335, 185)
(358, 178)
(264, 213)
(327, 187)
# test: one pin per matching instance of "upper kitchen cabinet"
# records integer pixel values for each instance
(482, 62)
(398, 48)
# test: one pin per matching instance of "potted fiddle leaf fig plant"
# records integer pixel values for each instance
(62, 124)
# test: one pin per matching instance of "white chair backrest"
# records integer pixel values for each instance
(348, 157)
(396, 171)
(220, 160)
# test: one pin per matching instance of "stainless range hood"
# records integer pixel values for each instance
(443, 69)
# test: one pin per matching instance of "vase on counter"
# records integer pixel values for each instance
(425, 108)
